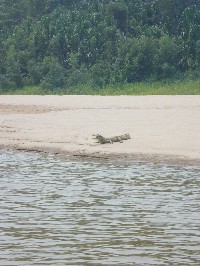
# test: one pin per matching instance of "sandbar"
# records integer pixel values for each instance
(162, 128)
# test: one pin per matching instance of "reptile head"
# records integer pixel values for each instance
(98, 136)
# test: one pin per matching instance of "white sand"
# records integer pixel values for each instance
(161, 127)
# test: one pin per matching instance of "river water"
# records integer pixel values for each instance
(56, 211)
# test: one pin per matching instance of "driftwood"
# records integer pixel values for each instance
(103, 140)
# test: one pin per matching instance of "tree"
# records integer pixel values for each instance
(118, 12)
(59, 43)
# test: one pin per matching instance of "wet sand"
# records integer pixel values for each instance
(162, 128)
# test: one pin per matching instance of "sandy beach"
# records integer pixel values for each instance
(162, 128)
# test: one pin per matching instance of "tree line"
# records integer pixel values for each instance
(61, 43)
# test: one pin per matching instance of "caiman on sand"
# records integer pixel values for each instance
(103, 140)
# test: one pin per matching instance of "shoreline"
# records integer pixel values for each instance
(163, 129)
(156, 159)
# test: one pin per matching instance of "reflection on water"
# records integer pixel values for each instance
(59, 212)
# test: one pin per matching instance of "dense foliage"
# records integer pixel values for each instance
(62, 43)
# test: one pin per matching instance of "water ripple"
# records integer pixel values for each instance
(60, 212)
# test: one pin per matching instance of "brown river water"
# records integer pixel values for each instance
(56, 211)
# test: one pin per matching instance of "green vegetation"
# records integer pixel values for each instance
(186, 87)
(99, 47)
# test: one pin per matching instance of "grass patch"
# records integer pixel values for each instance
(184, 87)
(30, 90)
(189, 87)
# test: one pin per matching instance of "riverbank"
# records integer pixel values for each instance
(182, 86)
(162, 128)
